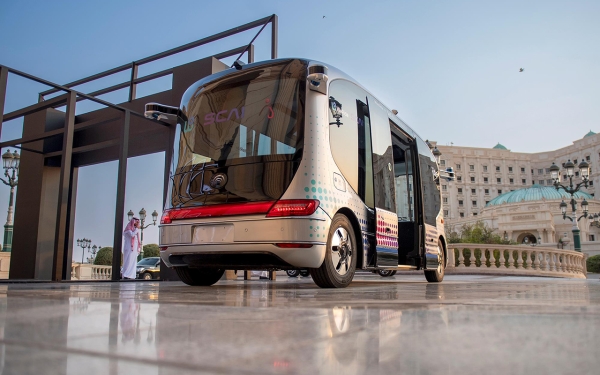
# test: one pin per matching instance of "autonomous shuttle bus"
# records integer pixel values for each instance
(290, 164)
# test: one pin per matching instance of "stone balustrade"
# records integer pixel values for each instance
(90, 272)
(515, 260)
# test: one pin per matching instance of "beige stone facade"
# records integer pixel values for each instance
(482, 174)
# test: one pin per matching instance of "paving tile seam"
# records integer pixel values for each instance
(144, 361)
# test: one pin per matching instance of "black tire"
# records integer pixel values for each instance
(199, 276)
(304, 273)
(437, 275)
(386, 273)
(147, 276)
(293, 273)
(342, 249)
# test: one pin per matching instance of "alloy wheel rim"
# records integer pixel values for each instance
(341, 251)
(440, 267)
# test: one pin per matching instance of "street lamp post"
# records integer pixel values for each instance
(584, 169)
(93, 251)
(84, 243)
(142, 226)
(11, 163)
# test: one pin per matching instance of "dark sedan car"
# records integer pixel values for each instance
(148, 268)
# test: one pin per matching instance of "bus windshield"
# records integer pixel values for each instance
(247, 127)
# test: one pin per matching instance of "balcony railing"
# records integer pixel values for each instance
(515, 260)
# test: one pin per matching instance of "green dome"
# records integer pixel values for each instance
(589, 134)
(499, 147)
(535, 193)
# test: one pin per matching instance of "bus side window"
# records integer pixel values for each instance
(431, 192)
(403, 181)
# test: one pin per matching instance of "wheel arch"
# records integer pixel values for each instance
(357, 233)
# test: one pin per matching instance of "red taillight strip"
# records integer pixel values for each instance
(230, 209)
(294, 207)
(282, 208)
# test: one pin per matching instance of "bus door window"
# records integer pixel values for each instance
(383, 171)
(403, 147)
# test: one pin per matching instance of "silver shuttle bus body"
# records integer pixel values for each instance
(289, 164)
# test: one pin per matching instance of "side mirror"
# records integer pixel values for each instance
(448, 174)
(157, 111)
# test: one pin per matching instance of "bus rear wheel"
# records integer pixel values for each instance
(339, 265)
(437, 275)
(199, 276)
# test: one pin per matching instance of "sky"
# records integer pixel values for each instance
(450, 68)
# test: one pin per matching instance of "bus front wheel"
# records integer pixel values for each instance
(339, 265)
(437, 275)
(199, 276)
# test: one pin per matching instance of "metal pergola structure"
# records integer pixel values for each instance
(56, 144)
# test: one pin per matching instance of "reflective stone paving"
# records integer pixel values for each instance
(400, 325)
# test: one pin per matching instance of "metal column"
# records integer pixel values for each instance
(61, 238)
(120, 206)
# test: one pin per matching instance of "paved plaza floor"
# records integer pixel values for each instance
(399, 325)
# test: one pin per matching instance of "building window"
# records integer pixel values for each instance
(591, 183)
(547, 170)
(473, 191)
(485, 180)
(485, 168)
(564, 177)
(541, 182)
(487, 191)
(459, 190)
(474, 213)
(540, 171)
(499, 191)
(474, 203)
(550, 182)
(524, 181)
(575, 161)
(444, 187)
(587, 158)
(486, 202)
(460, 203)
(522, 170)
(442, 162)
(509, 169)
(499, 180)
(459, 178)
(445, 212)
(577, 174)
(458, 167)
(462, 214)
(445, 200)
(472, 179)
(497, 169)
(511, 181)
(471, 167)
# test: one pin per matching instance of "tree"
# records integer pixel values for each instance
(151, 250)
(104, 257)
(479, 232)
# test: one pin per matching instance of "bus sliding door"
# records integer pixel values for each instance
(404, 181)
(386, 222)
